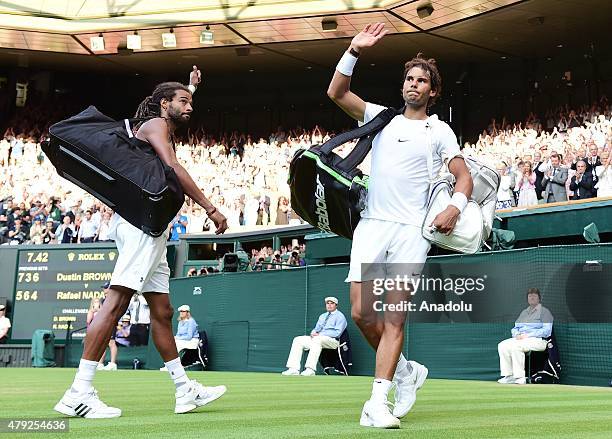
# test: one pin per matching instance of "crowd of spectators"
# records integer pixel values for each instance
(246, 178)
(566, 158)
(263, 259)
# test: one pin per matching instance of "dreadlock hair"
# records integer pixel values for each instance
(431, 68)
(151, 105)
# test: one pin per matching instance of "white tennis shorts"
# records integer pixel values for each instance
(142, 264)
(392, 247)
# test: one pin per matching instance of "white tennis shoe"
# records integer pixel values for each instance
(196, 395)
(405, 392)
(377, 414)
(85, 405)
(506, 380)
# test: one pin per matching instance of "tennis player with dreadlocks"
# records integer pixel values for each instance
(142, 267)
(389, 232)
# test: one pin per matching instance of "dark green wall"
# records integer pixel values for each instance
(251, 318)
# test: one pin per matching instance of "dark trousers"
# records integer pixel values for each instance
(139, 334)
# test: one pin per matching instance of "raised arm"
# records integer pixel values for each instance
(156, 133)
(339, 88)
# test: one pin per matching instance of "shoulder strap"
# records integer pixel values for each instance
(430, 150)
(365, 134)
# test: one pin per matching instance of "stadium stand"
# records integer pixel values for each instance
(247, 178)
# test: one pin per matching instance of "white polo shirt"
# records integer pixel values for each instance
(88, 228)
(399, 178)
(5, 323)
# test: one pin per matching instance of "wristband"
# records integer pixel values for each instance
(347, 64)
(459, 200)
(192, 88)
(212, 213)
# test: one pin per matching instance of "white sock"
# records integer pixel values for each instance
(380, 389)
(177, 372)
(403, 369)
(84, 376)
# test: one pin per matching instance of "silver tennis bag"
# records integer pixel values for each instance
(474, 225)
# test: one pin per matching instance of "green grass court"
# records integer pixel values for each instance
(262, 405)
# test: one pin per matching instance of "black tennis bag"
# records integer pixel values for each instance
(102, 156)
(329, 191)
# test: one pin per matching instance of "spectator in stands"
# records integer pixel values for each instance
(6, 209)
(14, 215)
(122, 336)
(582, 183)
(140, 320)
(573, 120)
(37, 210)
(537, 159)
(282, 211)
(103, 228)
(55, 212)
(554, 180)
(87, 229)
(17, 234)
(197, 220)
(65, 231)
(187, 336)
(5, 148)
(593, 160)
(604, 173)
(505, 196)
(78, 219)
(5, 325)
(294, 260)
(36, 232)
(526, 187)
(179, 226)
(259, 264)
(48, 236)
(263, 211)
(325, 335)
(276, 263)
(531, 329)
(580, 156)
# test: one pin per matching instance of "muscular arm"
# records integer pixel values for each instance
(464, 183)
(156, 133)
(339, 88)
(339, 92)
(446, 220)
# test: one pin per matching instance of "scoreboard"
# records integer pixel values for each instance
(54, 288)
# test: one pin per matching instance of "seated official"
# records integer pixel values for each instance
(532, 328)
(187, 336)
(325, 335)
(122, 334)
(5, 325)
